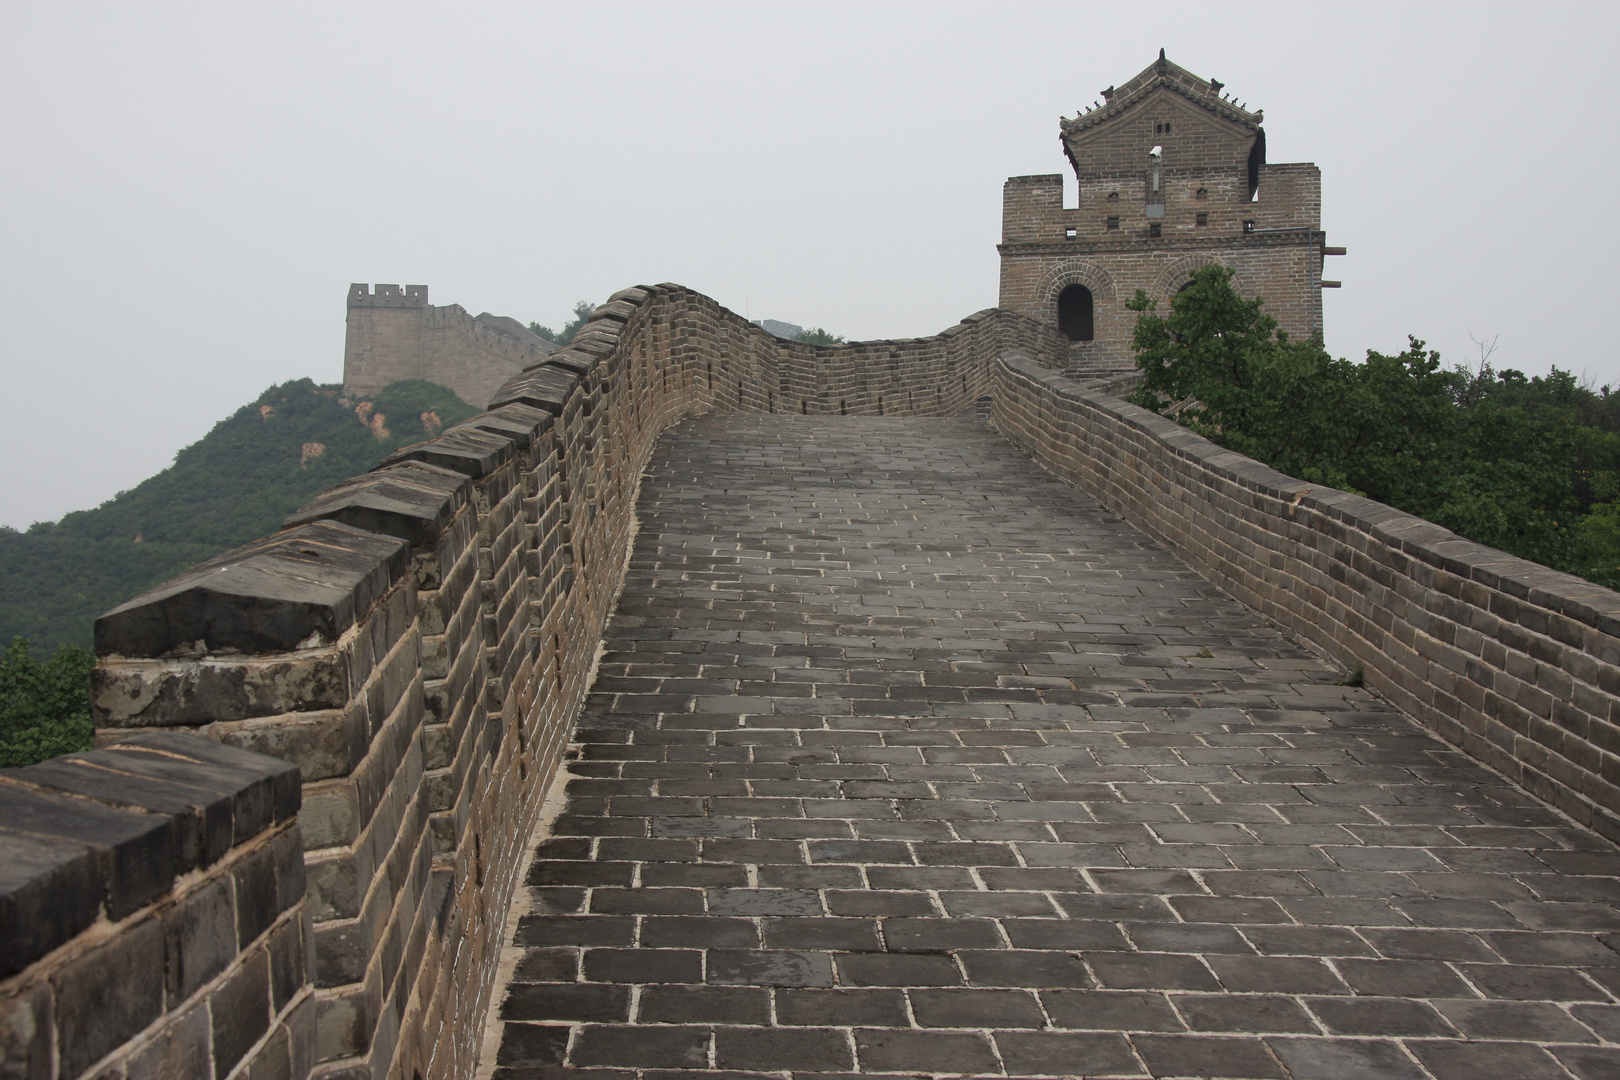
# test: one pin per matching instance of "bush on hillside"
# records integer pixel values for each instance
(582, 315)
(44, 707)
(1527, 465)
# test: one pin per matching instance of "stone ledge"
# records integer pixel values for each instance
(463, 450)
(296, 589)
(521, 423)
(110, 830)
(545, 387)
(411, 500)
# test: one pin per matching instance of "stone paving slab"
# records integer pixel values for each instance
(906, 759)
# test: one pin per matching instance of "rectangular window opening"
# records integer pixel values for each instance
(1113, 223)
(1155, 229)
(1071, 233)
(1203, 219)
(1248, 226)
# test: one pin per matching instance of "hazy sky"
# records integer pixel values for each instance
(186, 191)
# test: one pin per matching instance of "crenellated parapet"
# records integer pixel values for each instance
(362, 295)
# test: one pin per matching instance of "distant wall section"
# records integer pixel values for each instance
(395, 334)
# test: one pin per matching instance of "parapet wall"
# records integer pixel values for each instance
(418, 640)
(152, 916)
(1516, 664)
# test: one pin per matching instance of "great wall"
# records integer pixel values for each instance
(304, 845)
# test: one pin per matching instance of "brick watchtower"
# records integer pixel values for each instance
(1172, 176)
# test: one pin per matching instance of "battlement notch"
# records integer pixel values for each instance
(388, 296)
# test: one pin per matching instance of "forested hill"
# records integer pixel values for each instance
(234, 485)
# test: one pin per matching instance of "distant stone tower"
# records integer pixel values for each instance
(1172, 176)
(395, 334)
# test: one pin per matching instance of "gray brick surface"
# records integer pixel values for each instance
(905, 757)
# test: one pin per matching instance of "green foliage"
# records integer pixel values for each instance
(44, 707)
(818, 336)
(234, 485)
(582, 315)
(1527, 465)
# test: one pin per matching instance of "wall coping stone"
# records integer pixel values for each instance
(297, 589)
(134, 851)
(523, 424)
(568, 360)
(99, 831)
(544, 387)
(620, 310)
(464, 450)
(412, 500)
(596, 340)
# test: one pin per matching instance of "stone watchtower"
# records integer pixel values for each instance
(396, 334)
(1172, 176)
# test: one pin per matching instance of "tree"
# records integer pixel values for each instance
(582, 315)
(818, 336)
(44, 707)
(1527, 465)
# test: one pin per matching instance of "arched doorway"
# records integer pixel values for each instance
(1075, 313)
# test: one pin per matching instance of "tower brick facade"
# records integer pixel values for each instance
(1149, 221)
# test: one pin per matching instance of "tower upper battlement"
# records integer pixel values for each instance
(389, 296)
(1170, 175)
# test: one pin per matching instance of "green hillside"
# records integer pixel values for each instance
(234, 485)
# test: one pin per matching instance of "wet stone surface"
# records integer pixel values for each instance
(907, 759)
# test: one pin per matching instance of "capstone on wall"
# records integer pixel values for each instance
(152, 916)
(395, 334)
(1150, 222)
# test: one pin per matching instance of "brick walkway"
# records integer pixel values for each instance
(907, 759)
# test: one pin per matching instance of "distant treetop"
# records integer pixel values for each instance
(818, 336)
(582, 315)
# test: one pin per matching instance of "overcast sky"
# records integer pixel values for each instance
(186, 191)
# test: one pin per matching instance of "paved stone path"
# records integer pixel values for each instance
(907, 759)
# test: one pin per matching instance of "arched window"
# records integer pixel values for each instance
(1074, 313)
